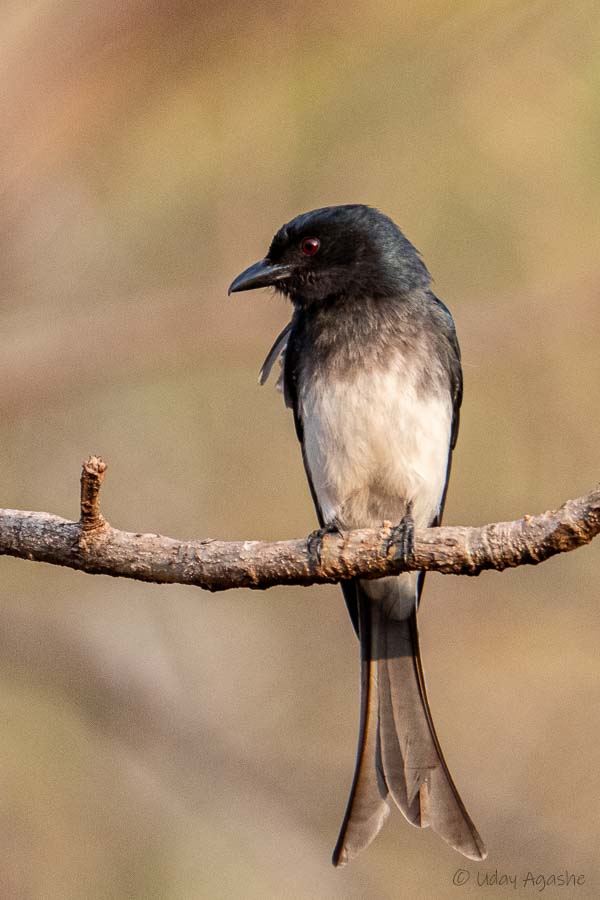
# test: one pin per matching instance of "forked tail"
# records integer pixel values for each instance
(399, 754)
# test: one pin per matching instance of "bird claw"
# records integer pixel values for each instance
(314, 542)
(401, 542)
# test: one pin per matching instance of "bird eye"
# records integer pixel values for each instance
(310, 246)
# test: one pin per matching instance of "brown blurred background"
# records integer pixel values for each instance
(159, 742)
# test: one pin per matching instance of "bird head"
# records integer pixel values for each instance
(352, 250)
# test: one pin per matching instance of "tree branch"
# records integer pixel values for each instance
(92, 545)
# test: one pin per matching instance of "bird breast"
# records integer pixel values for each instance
(374, 441)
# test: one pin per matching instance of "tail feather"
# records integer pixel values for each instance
(367, 807)
(444, 809)
(403, 792)
(399, 752)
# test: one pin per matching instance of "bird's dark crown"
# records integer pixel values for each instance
(361, 252)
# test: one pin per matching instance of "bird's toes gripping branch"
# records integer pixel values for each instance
(314, 542)
(401, 542)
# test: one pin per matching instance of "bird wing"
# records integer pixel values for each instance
(290, 393)
(456, 393)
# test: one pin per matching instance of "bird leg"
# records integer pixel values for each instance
(314, 542)
(401, 542)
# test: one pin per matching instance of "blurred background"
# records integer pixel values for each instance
(160, 742)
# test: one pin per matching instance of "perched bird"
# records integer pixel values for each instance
(371, 369)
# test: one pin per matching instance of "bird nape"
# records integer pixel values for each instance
(372, 372)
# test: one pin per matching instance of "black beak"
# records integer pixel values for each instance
(264, 273)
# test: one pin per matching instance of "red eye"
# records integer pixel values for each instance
(310, 246)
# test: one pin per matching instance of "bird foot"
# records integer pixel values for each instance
(314, 542)
(401, 542)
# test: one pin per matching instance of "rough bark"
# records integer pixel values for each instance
(92, 545)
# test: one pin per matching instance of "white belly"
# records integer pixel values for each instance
(373, 442)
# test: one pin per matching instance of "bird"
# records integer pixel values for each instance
(371, 369)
